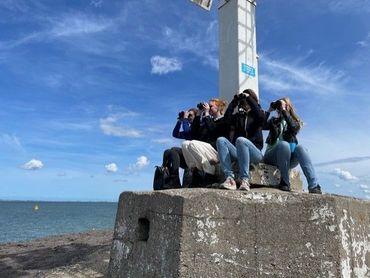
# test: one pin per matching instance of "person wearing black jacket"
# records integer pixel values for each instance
(245, 140)
(283, 149)
(201, 153)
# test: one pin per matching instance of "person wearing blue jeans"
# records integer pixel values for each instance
(245, 139)
(282, 157)
(245, 153)
(283, 149)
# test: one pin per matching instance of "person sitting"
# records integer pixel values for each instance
(245, 141)
(283, 149)
(173, 158)
(201, 154)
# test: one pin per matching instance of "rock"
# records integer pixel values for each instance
(71, 255)
(215, 233)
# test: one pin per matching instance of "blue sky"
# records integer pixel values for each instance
(90, 90)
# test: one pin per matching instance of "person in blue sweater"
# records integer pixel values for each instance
(173, 158)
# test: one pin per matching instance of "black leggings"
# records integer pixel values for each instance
(173, 159)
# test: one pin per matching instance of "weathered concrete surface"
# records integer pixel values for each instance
(262, 174)
(268, 175)
(215, 233)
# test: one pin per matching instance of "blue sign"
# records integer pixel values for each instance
(248, 70)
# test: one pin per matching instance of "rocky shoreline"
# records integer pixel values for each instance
(70, 255)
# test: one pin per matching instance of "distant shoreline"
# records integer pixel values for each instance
(84, 254)
(55, 201)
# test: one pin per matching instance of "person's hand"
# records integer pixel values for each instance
(246, 94)
(234, 101)
(206, 108)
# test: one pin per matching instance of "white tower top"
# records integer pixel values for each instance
(238, 65)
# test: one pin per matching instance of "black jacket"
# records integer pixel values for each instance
(274, 126)
(236, 123)
(214, 128)
(208, 130)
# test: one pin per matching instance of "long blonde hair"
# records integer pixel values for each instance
(291, 110)
(221, 104)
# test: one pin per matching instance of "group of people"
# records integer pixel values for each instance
(215, 134)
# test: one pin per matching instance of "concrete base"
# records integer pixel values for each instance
(268, 175)
(262, 174)
(215, 233)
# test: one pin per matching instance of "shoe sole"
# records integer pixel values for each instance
(227, 188)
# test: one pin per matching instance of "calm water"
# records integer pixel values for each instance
(20, 221)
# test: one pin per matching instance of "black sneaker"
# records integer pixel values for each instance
(315, 190)
(283, 186)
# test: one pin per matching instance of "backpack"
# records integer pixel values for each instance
(161, 174)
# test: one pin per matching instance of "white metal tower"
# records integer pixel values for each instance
(238, 65)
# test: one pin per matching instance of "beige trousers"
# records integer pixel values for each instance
(198, 154)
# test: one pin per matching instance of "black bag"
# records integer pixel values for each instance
(161, 174)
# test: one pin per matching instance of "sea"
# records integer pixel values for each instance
(27, 220)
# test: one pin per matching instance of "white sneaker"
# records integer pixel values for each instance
(229, 184)
(245, 186)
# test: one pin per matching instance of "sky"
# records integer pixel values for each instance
(90, 90)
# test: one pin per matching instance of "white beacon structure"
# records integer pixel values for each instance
(238, 59)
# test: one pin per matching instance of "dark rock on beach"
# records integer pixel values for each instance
(71, 255)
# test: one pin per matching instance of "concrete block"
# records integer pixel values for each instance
(215, 233)
(268, 175)
(262, 174)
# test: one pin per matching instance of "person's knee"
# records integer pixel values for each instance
(221, 141)
(300, 149)
(242, 141)
(167, 152)
(185, 144)
(283, 146)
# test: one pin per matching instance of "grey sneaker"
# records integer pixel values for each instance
(245, 186)
(229, 184)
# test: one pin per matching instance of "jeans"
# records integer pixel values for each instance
(282, 157)
(244, 151)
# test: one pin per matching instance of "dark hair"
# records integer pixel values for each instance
(252, 94)
(194, 110)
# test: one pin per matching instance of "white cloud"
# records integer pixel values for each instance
(202, 43)
(78, 24)
(97, 3)
(362, 43)
(344, 175)
(345, 6)
(68, 25)
(164, 141)
(292, 75)
(364, 186)
(164, 65)
(337, 185)
(141, 163)
(109, 127)
(33, 164)
(11, 141)
(111, 168)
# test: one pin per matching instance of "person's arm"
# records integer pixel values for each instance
(228, 117)
(266, 123)
(291, 123)
(176, 130)
(186, 124)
